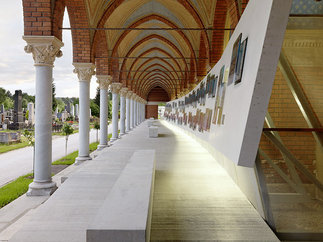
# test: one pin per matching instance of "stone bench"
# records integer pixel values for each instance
(153, 132)
(126, 212)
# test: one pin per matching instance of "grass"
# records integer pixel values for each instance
(8, 147)
(18, 187)
(14, 189)
(70, 158)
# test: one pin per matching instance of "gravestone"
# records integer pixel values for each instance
(76, 110)
(31, 113)
(18, 121)
(72, 113)
(2, 108)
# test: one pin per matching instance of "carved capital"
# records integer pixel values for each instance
(104, 81)
(115, 87)
(129, 94)
(44, 49)
(123, 91)
(84, 71)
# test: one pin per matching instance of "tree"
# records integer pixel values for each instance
(54, 105)
(8, 103)
(95, 109)
(2, 95)
(97, 127)
(60, 104)
(97, 97)
(67, 130)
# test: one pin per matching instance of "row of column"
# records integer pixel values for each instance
(132, 109)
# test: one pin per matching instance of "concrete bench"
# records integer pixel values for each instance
(153, 132)
(126, 212)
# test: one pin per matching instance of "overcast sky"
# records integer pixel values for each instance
(16, 67)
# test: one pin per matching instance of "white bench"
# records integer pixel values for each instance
(126, 212)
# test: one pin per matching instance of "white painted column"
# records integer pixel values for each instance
(84, 73)
(138, 117)
(123, 93)
(115, 88)
(44, 50)
(128, 111)
(132, 111)
(135, 111)
(104, 82)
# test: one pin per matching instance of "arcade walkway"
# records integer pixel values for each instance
(194, 198)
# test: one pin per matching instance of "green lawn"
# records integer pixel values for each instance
(5, 148)
(70, 158)
(14, 189)
(18, 187)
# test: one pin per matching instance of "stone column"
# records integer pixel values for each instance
(138, 116)
(44, 50)
(84, 73)
(123, 93)
(135, 110)
(132, 111)
(104, 82)
(128, 111)
(115, 88)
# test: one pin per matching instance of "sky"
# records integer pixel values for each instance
(17, 71)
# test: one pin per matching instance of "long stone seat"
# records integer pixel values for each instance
(125, 213)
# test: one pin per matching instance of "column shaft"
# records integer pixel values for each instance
(122, 115)
(128, 101)
(103, 118)
(115, 115)
(84, 120)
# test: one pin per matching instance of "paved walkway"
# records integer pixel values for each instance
(19, 162)
(194, 198)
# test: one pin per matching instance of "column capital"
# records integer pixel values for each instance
(123, 91)
(44, 49)
(104, 81)
(115, 87)
(84, 71)
(129, 94)
(133, 96)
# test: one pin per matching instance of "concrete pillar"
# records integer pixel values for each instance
(128, 111)
(104, 81)
(115, 88)
(123, 93)
(44, 50)
(84, 72)
(135, 110)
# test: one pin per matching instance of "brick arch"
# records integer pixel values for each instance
(58, 16)
(158, 93)
(80, 37)
(101, 56)
(156, 72)
(37, 17)
(146, 19)
(151, 50)
(155, 84)
(161, 81)
(159, 71)
(153, 36)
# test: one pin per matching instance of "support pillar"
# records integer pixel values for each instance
(44, 50)
(123, 93)
(115, 88)
(104, 82)
(84, 73)
(132, 110)
(128, 111)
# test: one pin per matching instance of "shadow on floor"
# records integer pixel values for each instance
(163, 135)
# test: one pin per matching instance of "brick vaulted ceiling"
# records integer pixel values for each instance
(127, 38)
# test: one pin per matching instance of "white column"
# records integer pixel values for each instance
(44, 50)
(115, 88)
(104, 82)
(84, 73)
(138, 122)
(135, 111)
(132, 111)
(123, 93)
(128, 111)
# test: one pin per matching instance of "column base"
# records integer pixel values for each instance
(101, 147)
(41, 188)
(79, 160)
(113, 139)
(121, 134)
